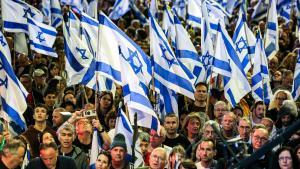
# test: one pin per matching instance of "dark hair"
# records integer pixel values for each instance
(44, 146)
(201, 84)
(41, 105)
(256, 104)
(188, 164)
(107, 154)
(110, 95)
(40, 136)
(280, 150)
(50, 90)
(12, 146)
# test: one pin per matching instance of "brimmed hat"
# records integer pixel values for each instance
(38, 73)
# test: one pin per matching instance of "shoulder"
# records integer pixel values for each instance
(34, 163)
(64, 160)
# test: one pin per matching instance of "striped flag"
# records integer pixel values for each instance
(120, 8)
(296, 84)
(95, 149)
(5, 47)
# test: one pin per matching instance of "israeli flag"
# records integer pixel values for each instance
(217, 10)
(168, 102)
(56, 13)
(123, 126)
(79, 4)
(260, 11)
(5, 47)
(179, 6)
(13, 94)
(26, 158)
(45, 8)
(227, 64)
(120, 8)
(15, 14)
(207, 48)
(285, 9)
(92, 9)
(138, 14)
(271, 36)
(194, 15)
(261, 89)
(167, 68)
(296, 84)
(95, 149)
(187, 54)
(244, 41)
(41, 37)
(108, 53)
(232, 4)
(153, 8)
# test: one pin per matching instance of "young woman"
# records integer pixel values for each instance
(103, 160)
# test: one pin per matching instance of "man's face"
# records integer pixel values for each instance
(209, 133)
(57, 118)
(259, 138)
(193, 126)
(244, 129)
(49, 100)
(155, 139)
(219, 111)
(40, 114)
(49, 157)
(171, 125)
(117, 154)
(268, 124)
(144, 147)
(259, 111)
(206, 151)
(70, 97)
(201, 93)
(65, 138)
(228, 122)
(285, 120)
(157, 159)
(17, 158)
(83, 125)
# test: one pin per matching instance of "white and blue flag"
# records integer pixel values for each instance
(244, 41)
(261, 89)
(13, 94)
(179, 6)
(45, 9)
(167, 68)
(92, 9)
(56, 13)
(194, 14)
(296, 84)
(271, 35)
(5, 47)
(26, 158)
(120, 8)
(260, 11)
(80, 4)
(41, 37)
(15, 14)
(228, 64)
(95, 149)
(123, 126)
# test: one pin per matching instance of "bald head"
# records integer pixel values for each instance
(158, 158)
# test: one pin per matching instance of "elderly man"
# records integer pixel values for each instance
(220, 108)
(118, 150)
(49, 159)
(12, 154)
(158, 158)
(228, 125)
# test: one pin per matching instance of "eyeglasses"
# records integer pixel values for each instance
(262, 139)
(285, 158)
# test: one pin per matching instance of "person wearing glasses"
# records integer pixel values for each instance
(284, 158)
(259, 138)
(158, 158)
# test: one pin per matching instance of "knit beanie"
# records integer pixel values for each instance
(119, 141)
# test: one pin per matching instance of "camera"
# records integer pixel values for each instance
(89, 113)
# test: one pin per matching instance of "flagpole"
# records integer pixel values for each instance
(135, 136)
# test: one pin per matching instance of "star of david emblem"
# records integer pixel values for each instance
(2, 41)
(28, 11)
(288, 6)
(119, 11)
(167, 56)
(241, 45)
(40, 38)
(133, 60)
(4, 82)
(82, 52)
(206, 60)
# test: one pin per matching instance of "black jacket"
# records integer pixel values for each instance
(62, 163)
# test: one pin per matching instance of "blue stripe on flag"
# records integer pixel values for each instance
(256, 79)
(72, 60)
(136, 97)
(173, 78)
(103, 67)
(222, 65)
(272, 26)
(38, 46)
(13, 25)
(194, 18)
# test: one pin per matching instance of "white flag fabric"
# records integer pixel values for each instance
(41, 37)
(227, 64)
(120, 8)
(5, 47)
(271, 36)
(194, 14)
(167, 68)
(15, 13)
(20, 43)
(12, 92)
(95, 149)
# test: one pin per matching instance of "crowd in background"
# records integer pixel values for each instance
(208, 133)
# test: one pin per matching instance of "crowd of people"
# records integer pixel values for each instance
(207, 132)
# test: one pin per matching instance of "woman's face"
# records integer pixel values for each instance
(285, 160)
(102, 162)
(298, 154)
(281, 96)
(105, 101)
